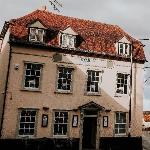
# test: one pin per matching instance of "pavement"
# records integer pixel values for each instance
(146, 141)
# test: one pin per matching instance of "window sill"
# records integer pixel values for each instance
(31, 90)
(67, 47)
(35, 41)
(26, 136)
(92, 94)
(121, 135)
(63, 92)
(60, 136)
(121, 95)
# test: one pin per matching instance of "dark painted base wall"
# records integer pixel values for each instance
(107, 143)
(121, 143)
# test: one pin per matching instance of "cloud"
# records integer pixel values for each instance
(146, 104)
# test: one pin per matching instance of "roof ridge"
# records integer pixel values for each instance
(75, 18)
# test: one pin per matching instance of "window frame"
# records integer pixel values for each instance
(68, 125)
(35, 123)
(125, 51)
(127, 85)
(24, 75)
(66, 44)
(57, 78)
(36, 30)
(99, 83)
(120, 134)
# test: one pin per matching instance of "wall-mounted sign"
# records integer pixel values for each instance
(44, 120)
(85, 59)
(75, 121)
(105, 121)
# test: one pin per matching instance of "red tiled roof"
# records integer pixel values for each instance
(147, 117)
(97, 36)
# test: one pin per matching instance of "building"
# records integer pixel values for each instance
(146, 120)
(61, 76)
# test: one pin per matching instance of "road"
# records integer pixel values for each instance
(146, 141)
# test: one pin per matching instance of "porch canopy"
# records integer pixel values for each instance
(93, 106)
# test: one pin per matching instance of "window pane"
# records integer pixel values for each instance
(122, 126)
(116, 125)
(122, 130)
(56, 129)
(116, 131)
(125, 89)
(120, 48)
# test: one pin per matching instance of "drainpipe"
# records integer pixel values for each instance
(130, 101)
(6, 87)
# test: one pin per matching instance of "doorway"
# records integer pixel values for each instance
(89, 132)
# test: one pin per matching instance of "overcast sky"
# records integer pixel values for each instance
(131, 15)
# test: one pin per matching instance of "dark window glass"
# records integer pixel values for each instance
(27, 122)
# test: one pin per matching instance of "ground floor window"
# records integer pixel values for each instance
(120, 123)
(27, 122)
(60, 123)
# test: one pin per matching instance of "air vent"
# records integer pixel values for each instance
(57, 57)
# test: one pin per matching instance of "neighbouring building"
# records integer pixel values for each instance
(64, 77)
(146, 120)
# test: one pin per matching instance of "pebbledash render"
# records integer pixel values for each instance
(64, 77)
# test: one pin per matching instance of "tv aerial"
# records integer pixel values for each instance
(56, 5)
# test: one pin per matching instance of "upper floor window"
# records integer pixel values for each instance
(124, 49)
(122, 83)
(120, 123)
(64, 79)
(68, 40)
(36, 35)
(60, 123)
(93, 81)
(32, 75)
(27, 122)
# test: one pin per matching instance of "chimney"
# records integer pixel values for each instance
(44, 8)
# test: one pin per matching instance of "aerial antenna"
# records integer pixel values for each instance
(55, 4)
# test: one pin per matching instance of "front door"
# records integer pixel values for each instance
(89, 132)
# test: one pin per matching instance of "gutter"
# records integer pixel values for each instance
(74, 51)
(5, 92)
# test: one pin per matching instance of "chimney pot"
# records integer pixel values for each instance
(44, 8)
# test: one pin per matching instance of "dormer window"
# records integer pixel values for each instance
(124, 49)
(68, 40)
(36, 34)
